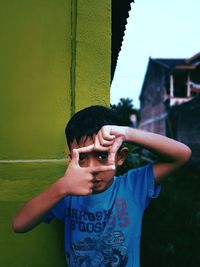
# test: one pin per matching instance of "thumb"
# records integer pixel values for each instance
(75, 156)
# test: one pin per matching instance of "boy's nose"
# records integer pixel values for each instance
(92, 162)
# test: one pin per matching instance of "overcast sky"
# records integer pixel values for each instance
(157, 29)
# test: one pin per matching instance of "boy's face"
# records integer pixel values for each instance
(102, 180)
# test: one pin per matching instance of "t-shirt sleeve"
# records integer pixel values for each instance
(141, 184)
(58, 211)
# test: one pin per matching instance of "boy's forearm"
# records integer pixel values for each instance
(34, 210)
(165, 147)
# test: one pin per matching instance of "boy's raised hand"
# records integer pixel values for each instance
(80, 180)
(109, 138)
(76, 181)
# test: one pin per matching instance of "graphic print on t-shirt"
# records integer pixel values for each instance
(107, 251)
(102, 243)
(95, 222)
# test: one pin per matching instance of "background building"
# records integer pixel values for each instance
(170, 102)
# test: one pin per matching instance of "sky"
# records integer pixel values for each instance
(156, 29)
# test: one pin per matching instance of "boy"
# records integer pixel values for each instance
(102, 213)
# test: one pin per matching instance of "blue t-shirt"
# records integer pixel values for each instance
(104, 229)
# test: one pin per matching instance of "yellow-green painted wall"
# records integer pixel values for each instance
(93, 53)
(55, 59)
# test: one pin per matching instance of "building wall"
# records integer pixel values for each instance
(153, 110)
(55, 60)
(185, 126)
(156, 122)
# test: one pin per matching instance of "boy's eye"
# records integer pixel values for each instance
(82, 157)
(102, 156)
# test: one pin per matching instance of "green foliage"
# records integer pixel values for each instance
(125, 108)
(171, 225)
(136, 158)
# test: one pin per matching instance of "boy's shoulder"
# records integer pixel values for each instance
(145, 169)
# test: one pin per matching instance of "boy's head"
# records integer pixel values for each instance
(87, 122)
(80, 131)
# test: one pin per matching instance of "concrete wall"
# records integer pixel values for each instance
(55, 60)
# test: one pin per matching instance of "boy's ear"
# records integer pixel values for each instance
(122, 155)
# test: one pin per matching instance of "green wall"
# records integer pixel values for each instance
(55, 59)
(93, 53)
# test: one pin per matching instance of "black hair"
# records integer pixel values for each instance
(88, 121)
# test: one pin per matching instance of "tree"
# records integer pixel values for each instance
(125, 108)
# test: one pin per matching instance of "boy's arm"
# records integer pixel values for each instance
(76, 181)
(32, 213)
(173, 154)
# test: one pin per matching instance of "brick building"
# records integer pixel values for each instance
(170, 101)
(167, 83)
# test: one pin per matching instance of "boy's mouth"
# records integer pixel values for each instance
(97, 181)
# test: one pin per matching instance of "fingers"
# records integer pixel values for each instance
(102, 168)
(91, 148)
(104, 139)
(116, 145)
(75, 156)
(86, 149)
(111, 157)
(112, 149)
(101, 147)
(106, 133)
